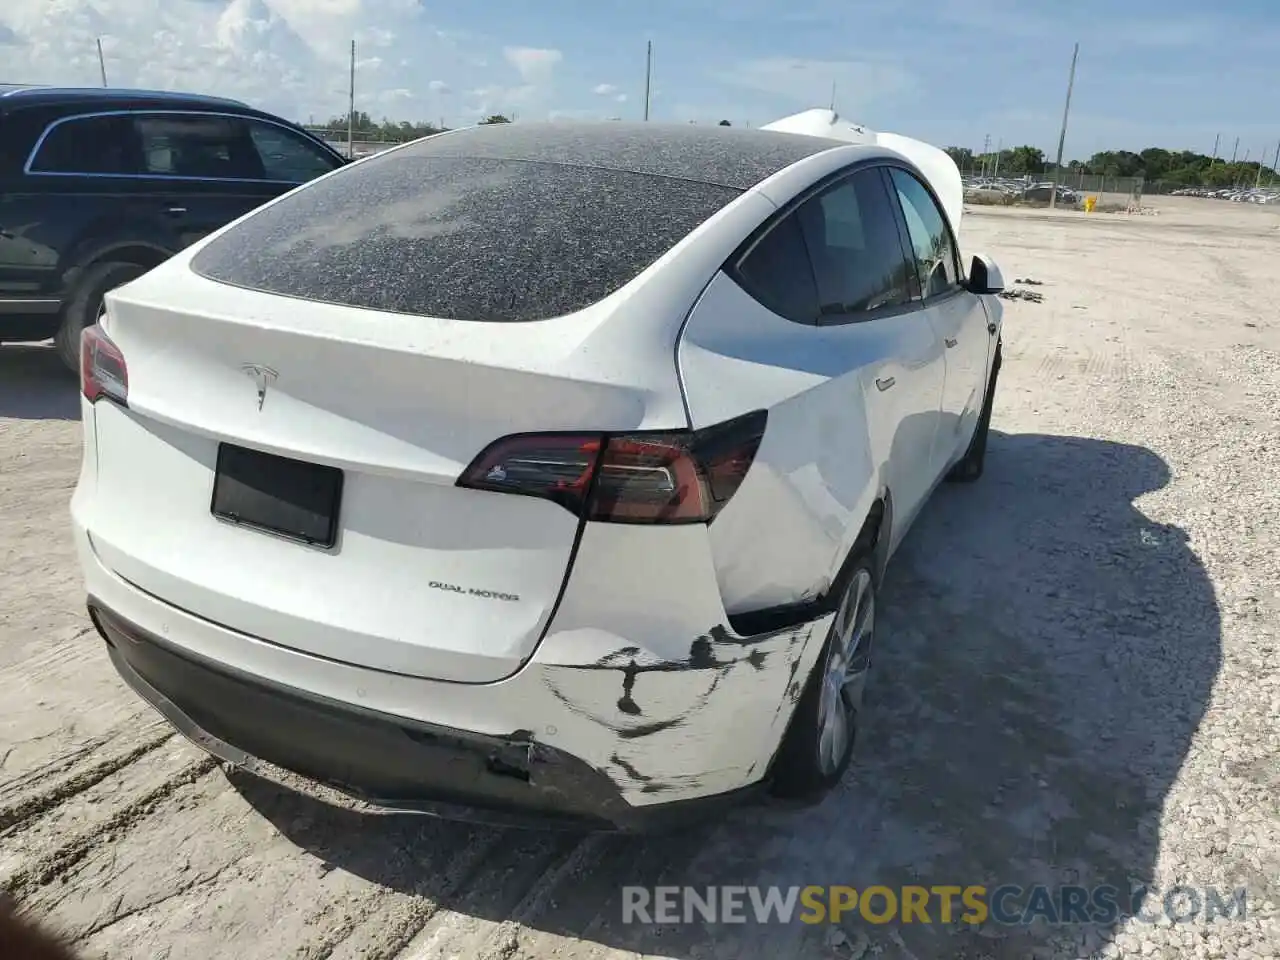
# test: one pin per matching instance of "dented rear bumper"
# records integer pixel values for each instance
(389, 762)
(623, 724)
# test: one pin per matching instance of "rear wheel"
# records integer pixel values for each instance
(85, 306)
(819, 743)
(969, 468)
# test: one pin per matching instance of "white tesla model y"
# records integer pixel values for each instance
(534, 470)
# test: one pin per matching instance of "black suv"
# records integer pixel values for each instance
(98, 186)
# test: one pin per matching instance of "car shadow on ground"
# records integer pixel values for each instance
(1045, 655)
(34, 385)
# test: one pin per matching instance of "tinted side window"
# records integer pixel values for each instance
(935, 252)
(190, 145)
(88, 145)
(777, 272)
(287, 156)
(852, 236)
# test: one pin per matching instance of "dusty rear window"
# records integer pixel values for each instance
(462, 238)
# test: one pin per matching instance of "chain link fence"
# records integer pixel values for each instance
(1074, 187)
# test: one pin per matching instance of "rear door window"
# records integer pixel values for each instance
(100, 145)
(287, 156)
(777, 273)
(197, 146)
(852, 236)
(462, 238)
(936, 257)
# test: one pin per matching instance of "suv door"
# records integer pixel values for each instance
(207, 169)
(202, 171)
(76, 192)
(817, 321)
(956, 315)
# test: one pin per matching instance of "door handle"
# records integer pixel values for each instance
(991, 327)
(950, 343)
(885, 384)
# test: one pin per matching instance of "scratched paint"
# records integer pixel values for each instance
(651, 724)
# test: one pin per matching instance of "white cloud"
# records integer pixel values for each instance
(288, 56)
(535, 64)
(604, 89)
(807, 83)
(620, 98)
(375, 37)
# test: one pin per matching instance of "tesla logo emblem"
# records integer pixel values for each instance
(262, 376)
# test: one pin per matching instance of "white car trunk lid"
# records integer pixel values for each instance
(424, 578)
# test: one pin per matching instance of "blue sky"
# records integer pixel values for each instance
(1173, 73)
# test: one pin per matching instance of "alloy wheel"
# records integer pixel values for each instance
(845, 671)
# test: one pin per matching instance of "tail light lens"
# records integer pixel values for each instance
(678, 477)
(103, 372)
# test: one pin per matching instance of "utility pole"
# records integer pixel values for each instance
(648, 77)
(1274, 164)
(1062, 135)
(1257, 180)
(351, 108)
(102, 63)
(999, 150)
(1235, 150)
(1214, 158)
(986, 149)
(833, 96)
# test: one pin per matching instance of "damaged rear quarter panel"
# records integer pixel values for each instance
(643, 679)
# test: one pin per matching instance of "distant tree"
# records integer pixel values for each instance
(1023, 160)
(366, 128)
(496, 118)
(725, 123)
(963, 157)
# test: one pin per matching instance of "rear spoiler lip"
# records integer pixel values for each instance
(936, 164)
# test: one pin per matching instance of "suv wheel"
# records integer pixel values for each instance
(85, 306)
(819, 742)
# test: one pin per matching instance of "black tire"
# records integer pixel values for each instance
(84, 306)
(799, 770)
(969, 468)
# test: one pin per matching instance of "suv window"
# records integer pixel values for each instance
(87, 145)
(461, 238)
(935, 251)
(191, 145)
(777, 272)
(287, 156)
(851, 231)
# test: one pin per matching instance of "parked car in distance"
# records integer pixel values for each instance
(535, 470)
(97, 186)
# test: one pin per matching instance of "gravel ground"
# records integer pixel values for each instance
(1077, 681)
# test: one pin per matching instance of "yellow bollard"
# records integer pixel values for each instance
(1089, 204)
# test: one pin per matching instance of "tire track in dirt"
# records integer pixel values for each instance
(515, 867)
(56, 864)
(391, 918)
(86, 810)
(44, 800)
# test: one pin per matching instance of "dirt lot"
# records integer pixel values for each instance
(1079, 678)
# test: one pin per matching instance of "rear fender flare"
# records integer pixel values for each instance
(129, 249)
(874, 537)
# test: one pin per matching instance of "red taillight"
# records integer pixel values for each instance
(103, 372)
(684, 477)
